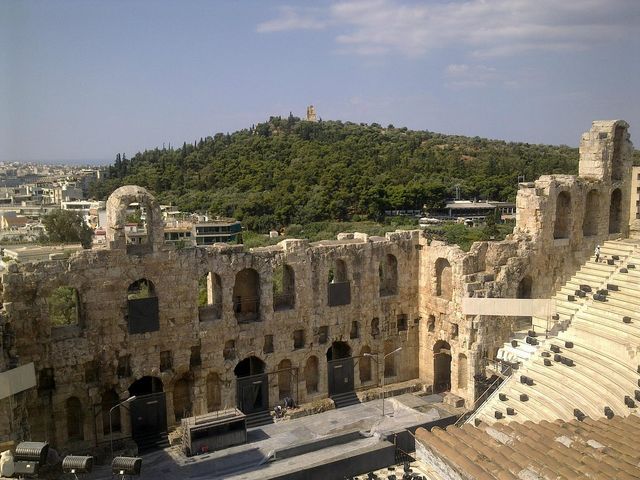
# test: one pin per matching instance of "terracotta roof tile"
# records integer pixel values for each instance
(595, 449)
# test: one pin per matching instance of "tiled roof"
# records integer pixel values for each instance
(598, 449)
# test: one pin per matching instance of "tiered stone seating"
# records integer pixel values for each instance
(602, 344)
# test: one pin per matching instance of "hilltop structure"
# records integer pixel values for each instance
(211, 327)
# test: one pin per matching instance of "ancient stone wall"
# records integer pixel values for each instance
(559, 221)
(193, 355)
(287, 310)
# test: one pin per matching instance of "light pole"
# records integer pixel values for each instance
(375, 357)
(130, 399)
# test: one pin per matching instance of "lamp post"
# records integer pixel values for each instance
(375, 357)
(122, 403)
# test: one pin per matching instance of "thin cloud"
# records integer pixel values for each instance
(464, 76)
(483, 28)
(294, 18)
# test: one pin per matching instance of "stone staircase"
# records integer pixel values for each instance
(342, 400)
(258, 419)
(590, 364)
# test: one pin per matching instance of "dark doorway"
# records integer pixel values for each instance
(615, 212)
(149, 409)
(252, 385)
(145, 386)
(340, 368)
(441, 367)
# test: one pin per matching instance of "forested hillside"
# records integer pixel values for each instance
(291, 171)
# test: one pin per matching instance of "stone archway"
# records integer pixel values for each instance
(591, 214)
(441, 367)
(444, 282)
(340, 368)
(562, 226)
(117, 205)
(252, 385)
(148, 411)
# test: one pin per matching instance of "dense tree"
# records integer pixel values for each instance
(288, 171)
(66, 226)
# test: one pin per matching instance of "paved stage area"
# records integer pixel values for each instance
(249, 461)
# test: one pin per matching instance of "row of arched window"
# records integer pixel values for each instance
(590, 221)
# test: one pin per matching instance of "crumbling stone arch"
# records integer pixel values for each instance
(117, 205)
(214, 392)
(284, 287)
(246, 296)
(388, 275)
(615, 212)
(312, 374)
(444, 282)
(591, 217)
(562, 225)
(75, 419)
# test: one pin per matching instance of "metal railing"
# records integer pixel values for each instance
(486, 396)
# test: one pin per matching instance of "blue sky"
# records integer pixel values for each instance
(82, 80)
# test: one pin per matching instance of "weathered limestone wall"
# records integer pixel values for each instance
(101, 338)
(560, 219)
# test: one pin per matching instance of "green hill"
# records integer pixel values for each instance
(288, 171)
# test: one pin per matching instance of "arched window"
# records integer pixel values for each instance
(443, 279)
(524, 288)
(463, 371)
(214, 395)
(64, 307)
(615, 212)
(355, 330)
(134, 221)
(246, 296)
(562, 226)
(311, 374)
(388, 275)
(441, 367)
(210, 297)
(284, 288)
(365, 365)
(75, 419)
(284, 379)
(182, 399)
(142, 306)
(109, 400)
(591, 214)
(339, 287)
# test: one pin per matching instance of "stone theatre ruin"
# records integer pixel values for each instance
(207, 328)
